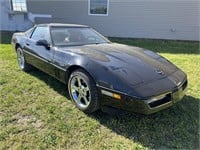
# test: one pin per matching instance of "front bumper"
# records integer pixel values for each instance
(147, 106)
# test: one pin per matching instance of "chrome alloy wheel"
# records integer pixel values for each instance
(80, 92)
(20, 58)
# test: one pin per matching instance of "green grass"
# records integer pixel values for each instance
(36, 113)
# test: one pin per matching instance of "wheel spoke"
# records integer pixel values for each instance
(75, 88)
(85, 100)
(86, 89)
(19, 60)
(22, 57)
(79, 82)
(79, 99)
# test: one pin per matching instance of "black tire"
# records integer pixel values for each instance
(84, 93)
(23, 65)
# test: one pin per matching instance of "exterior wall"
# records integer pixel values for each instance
(156, 19)
(12, 21)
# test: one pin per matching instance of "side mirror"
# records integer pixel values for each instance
(43, 43)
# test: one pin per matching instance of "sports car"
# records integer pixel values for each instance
(99, 73)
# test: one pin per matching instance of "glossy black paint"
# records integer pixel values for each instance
(135, 73)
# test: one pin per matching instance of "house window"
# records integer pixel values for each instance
(98, 7)
(19, 5)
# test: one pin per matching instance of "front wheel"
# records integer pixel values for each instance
(23, 65)
(83, 91)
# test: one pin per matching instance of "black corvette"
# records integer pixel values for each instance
(98, 72)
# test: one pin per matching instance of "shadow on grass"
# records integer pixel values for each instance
(175, 127)
(51, 82)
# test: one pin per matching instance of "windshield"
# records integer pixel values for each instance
(72, 36)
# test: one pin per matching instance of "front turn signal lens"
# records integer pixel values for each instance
(117, 96)
(114, 95)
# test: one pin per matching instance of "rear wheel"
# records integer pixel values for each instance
(83, 91)
(23, 65)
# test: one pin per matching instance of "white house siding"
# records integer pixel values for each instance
(12, 21)
(155, 19)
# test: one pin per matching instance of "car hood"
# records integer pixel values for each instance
(131, 65)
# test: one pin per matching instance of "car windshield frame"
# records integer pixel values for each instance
(29, 32)
(101, 38)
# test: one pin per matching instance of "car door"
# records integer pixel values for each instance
(38, 55)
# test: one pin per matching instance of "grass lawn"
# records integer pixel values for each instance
(36, 113)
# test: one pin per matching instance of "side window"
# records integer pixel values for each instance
(41, 33)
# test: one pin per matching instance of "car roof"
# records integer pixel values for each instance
(62, 25)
